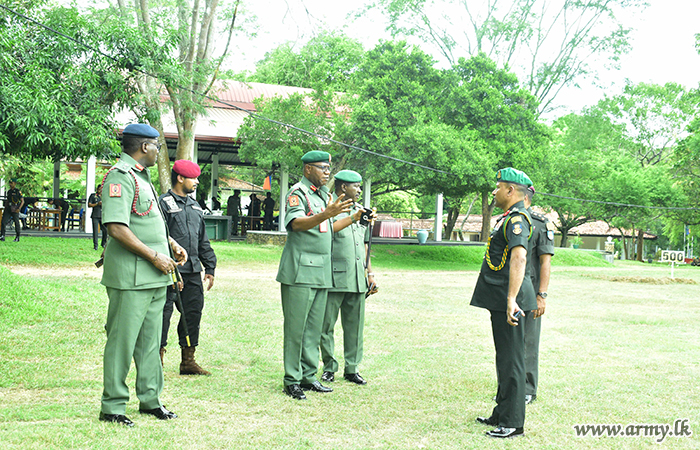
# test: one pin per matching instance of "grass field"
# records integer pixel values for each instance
(613, 352)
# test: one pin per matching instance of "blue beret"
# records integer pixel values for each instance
(141, 129)
(348, 176)
(510, 175)
(316, 156)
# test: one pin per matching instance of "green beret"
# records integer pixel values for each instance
(14, 180)
(348, 176)
(510, 175)
(316, 156)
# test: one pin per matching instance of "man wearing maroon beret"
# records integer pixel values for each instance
(185, 220)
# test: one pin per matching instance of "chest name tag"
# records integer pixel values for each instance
(115, 190)
(323, 226)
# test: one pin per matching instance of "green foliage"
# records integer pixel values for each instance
(327, 62)
(56, 97)
(270, 145)
(549, 45)
(397, 202)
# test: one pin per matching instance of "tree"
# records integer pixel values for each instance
(547, 43)
(490, 102)
(177, 43)
(270, 145)
(56, 97)
(654, 118)
(327, 62)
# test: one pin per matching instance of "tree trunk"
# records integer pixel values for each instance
(452, 216)
(640, 245)
(486, 210)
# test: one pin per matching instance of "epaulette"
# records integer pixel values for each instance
(538, 216)
(122, 166)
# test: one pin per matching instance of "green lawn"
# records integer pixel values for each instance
(612, 353)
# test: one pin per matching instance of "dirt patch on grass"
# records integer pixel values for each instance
(646, 280)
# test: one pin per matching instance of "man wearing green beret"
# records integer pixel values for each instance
(350, 283)
(505, 289)
(137, 270)
(305, 272)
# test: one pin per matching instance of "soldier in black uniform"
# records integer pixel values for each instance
(504, 288)
(95, 202)
(63, 205)
(540, 261)
(185, 220)
(13, 205)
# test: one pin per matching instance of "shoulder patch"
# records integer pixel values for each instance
(115, 190)
(293, 200)
(550, 235)
(516, 219)
(517, 228)
(551, 227)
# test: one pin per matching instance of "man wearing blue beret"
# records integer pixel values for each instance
(504, 288)
(137, 270)
(305, 272)
(350, 283)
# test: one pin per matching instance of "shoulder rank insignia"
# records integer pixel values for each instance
(293, 200)
(115, 190)
(139, 167)
(171, 204)
(516, 219)
(517, 228)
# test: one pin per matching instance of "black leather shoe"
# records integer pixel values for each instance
(295, 391)
(2, 238)
(116, 418)
(355, 378)
(316, 386)
(328, 377)
(159, 413)
(16, 239)
(503, 432)
(487, 421)
(530, 398)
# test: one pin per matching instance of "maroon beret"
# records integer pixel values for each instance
(186, 168)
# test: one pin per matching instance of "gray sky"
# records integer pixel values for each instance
(663, 41)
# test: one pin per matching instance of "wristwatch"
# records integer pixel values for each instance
(542, 294)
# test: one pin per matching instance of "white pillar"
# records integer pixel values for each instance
(214, 191)
(284, 187)
(57, 180)
(367, 193)
(89, 189)
(438, 218)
